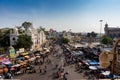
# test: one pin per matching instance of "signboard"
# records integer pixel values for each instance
(21, 50)
(12, 52)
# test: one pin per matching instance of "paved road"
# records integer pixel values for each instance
(48, 76)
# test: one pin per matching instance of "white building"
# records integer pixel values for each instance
(38, 38)
(14, 36)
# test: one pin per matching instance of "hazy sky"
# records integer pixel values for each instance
(77, 15)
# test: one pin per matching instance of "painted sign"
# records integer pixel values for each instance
(12, 52)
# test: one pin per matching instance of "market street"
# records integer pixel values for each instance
(50, 70)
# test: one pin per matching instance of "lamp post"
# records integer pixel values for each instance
(101, 28)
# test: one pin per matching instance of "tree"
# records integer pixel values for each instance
(41, 28)
(88, 34)
(92, 34)
(5, 38)
(106, 40)
(26, 25)
(24, 41)
(65, 40)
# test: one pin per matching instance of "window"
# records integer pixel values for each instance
(13, 39)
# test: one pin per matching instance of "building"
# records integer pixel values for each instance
(13, 36)
(38, 38)
(113, 32)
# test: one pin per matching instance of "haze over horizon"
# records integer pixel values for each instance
(77, 15)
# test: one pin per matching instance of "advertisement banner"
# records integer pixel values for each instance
(12, 52)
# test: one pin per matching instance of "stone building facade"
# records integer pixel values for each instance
(113, 32)
(38, 38)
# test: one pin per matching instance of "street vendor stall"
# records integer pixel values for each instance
(6, 62)
(32, 59)
(25, 53)
(27, 57)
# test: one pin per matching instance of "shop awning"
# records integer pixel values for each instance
(25, 53)
(6, 62)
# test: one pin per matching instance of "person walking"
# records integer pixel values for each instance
(45, 69)
(40, 70)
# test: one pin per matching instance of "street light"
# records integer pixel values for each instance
(101, 28)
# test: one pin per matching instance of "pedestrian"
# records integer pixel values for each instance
(45, 69)
(65, 76)
(40, 69)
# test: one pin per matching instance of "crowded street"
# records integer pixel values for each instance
(56, 59)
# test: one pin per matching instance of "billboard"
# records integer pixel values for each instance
(12, 52)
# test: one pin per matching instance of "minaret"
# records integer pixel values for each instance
(106, 29)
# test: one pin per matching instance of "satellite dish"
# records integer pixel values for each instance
(104, 59)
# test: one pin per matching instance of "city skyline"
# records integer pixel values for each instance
(77, 15)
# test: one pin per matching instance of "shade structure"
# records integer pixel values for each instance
(6, 62)
(93, 67)
(27, 57)
(106, 73)
(12, 68)
(17, 65)
(37, 56)
(93, 63)
(32, 59)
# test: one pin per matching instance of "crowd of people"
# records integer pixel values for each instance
(87, 63)
(35, 64)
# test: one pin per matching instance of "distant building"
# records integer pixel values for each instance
(113, 32)
(38, 38)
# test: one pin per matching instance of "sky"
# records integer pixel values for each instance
(77, 15)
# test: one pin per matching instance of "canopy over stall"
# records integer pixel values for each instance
(6, 62)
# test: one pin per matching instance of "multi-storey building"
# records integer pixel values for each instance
(113, 32)
(38, 38)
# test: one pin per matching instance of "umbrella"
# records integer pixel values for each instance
(6, 62)
(27, 57)
(37, 56)
(93, 67)
(17, 65)
(106, 73)
(12, 68)
(32, 59)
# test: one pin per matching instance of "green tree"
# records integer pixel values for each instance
(93, 34)
(88, 34)
(41, 28)
(65, 40)
(26, 25)
(106, 40)
(24, 41)
(5, 38)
